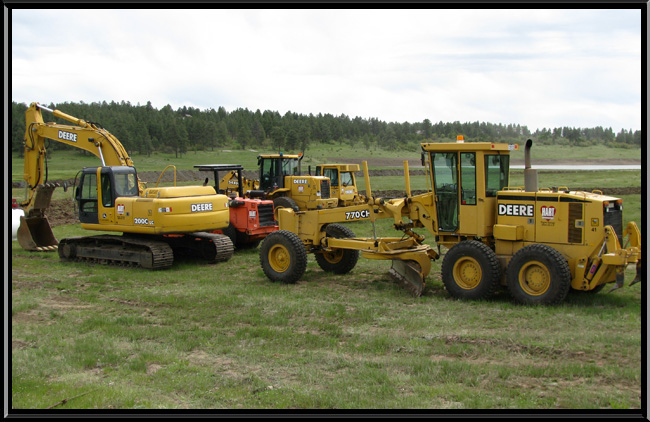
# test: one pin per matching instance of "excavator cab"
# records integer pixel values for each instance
(114, 182)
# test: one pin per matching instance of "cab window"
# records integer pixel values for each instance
(346, 178)
(333, 174)
(468, 178)
(107, 191)
(496, 173)
(126, 184)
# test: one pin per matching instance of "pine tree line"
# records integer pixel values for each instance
(144, 129)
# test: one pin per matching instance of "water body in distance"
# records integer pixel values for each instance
(582, 167)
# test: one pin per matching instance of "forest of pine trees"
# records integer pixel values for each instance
(145, 129)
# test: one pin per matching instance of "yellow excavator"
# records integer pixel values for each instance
(156, 223)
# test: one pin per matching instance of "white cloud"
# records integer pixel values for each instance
(540, 68)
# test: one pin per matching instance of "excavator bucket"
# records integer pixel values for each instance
(35, 234)
(409, 275)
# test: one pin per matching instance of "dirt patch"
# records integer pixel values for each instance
(61, 212)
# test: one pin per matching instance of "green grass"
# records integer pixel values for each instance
(223, 336)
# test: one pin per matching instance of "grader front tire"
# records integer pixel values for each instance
(283, 257)
(538, 275)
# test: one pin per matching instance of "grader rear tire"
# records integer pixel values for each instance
(339, 261)
(283, 257)
(471, 270)
(538, 275)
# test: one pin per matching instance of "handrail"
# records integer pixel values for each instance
(163, 172)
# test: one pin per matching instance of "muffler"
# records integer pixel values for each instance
(530, 175)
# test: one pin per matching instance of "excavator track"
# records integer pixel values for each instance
(117, 250)
(212, 247)
(150, 252)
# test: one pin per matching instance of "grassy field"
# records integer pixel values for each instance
(224, 337)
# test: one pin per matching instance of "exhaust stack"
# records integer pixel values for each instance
(530, 175)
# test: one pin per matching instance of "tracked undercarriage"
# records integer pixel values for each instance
(150, 252)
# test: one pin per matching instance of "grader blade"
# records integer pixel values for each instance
(35, 234)
(408, 274)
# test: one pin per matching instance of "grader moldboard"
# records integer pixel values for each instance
(539, 243)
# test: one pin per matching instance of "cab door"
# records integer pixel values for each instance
(86, 196)
(468, 214)
(445, 182)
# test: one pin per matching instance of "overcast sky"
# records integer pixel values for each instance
(539, 68)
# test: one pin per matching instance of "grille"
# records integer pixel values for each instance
(325, 189)
(265, 215)
(575, 213)
(614, 218)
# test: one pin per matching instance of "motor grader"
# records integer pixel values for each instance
(155, 223)
(539, 243)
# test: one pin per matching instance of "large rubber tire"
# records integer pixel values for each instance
(340, 261)
(285, 202)
(471, 270)
(283, 256)
(538, 275)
